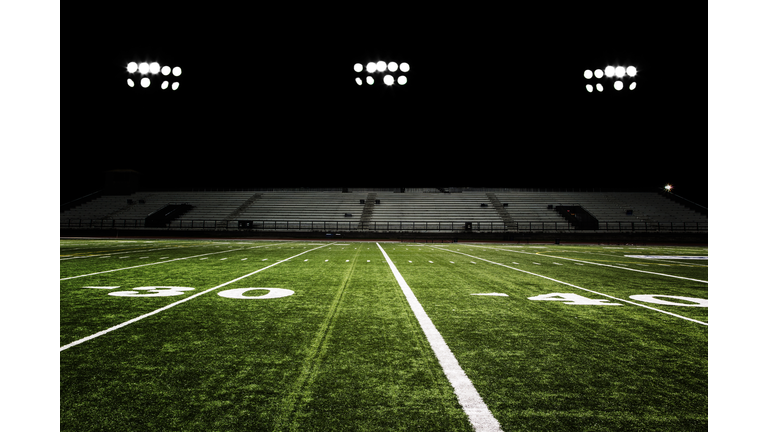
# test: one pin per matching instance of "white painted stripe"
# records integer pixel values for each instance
(156, 263)
(593, 263)
(131, 321)
(479, 415)
(577, 287)
(492, 294)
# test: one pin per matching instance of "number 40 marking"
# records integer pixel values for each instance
(575, 299)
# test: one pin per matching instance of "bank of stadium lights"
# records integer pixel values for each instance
(149, 71)
(382, 67)
(616, 73)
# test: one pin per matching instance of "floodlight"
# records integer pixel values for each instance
(164, 85)
(130, 83)
(620, 71)
(145, 82)
(588, 74)
(176, 71)
(618, 85)
(388, 80)
(609, 71)
(633, 86)
(166, 70)
(370, 67)
(359, 81)
(668, 188)
(132, 67)
(381, 66)
(358, 67)
(369, 80)
(405, 67)
(392, 66)
(174, 86)
(631, 71)
(589, 88)
(402, 80)
(598, 73)
(599, 87)
(144, 67)
(154, 67)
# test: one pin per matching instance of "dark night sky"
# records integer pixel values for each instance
(495, 98)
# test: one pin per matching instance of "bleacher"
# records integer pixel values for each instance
(418, 209)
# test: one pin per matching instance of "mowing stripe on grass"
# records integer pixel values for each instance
(316, 352)
(578, 287)
(131, 321)
(471, 402)
(155, 263)
(589, 262)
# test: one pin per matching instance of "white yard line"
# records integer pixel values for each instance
(578, 287)
(123, 252)
(159, 262)
(131, 321)
(593, 263)
(473, 405)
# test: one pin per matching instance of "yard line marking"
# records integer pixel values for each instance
(598, 264)
(471, 402)
(222, 259)
(131, 321)
(155, 263)
(120, 252)
(123, 257)
(247, 258)
(577, 287)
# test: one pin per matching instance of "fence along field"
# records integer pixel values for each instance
(311, 336)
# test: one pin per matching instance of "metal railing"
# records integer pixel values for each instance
(385, 226)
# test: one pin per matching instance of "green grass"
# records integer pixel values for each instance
(345, 351)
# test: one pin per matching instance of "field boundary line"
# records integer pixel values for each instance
(593, 263)
(156, 311)
(471, 402)
(161, 262)
(121, 252)
(577, 287)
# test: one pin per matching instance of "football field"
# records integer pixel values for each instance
(193, 335)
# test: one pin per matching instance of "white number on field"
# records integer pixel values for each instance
(239, 293)
(573, 299)
(155, 291)
(165, 291)
(652, 298)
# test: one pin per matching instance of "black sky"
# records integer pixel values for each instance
(495, 98)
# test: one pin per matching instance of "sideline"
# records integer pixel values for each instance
(471, 402)
(578, 287)
(163, 262)
(131, 321)
(593, 263)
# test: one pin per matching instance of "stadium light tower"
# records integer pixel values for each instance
(148, 72)
(386, 70)
(613, 77)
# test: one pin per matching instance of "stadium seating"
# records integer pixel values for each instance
(415, 209)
